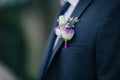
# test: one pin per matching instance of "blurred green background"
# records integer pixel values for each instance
(24, 29)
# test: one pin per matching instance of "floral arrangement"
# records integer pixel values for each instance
(65, 29)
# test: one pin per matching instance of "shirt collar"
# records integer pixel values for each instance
(73, 2)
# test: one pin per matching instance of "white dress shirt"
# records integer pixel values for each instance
(67, 13)
(71, 8)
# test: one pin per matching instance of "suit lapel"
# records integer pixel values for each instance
(47, 54)
(78, 11)
(81, 8)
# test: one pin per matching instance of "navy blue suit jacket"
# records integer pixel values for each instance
(94, 51)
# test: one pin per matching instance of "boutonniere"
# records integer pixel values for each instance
(65, 29)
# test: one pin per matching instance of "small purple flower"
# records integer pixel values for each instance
(58, 31)
(68, 33)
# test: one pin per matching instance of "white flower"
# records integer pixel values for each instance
(62, 21)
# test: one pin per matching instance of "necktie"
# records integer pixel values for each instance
(62, 11)
(64, 8)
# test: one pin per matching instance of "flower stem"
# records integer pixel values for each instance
(65, 45)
